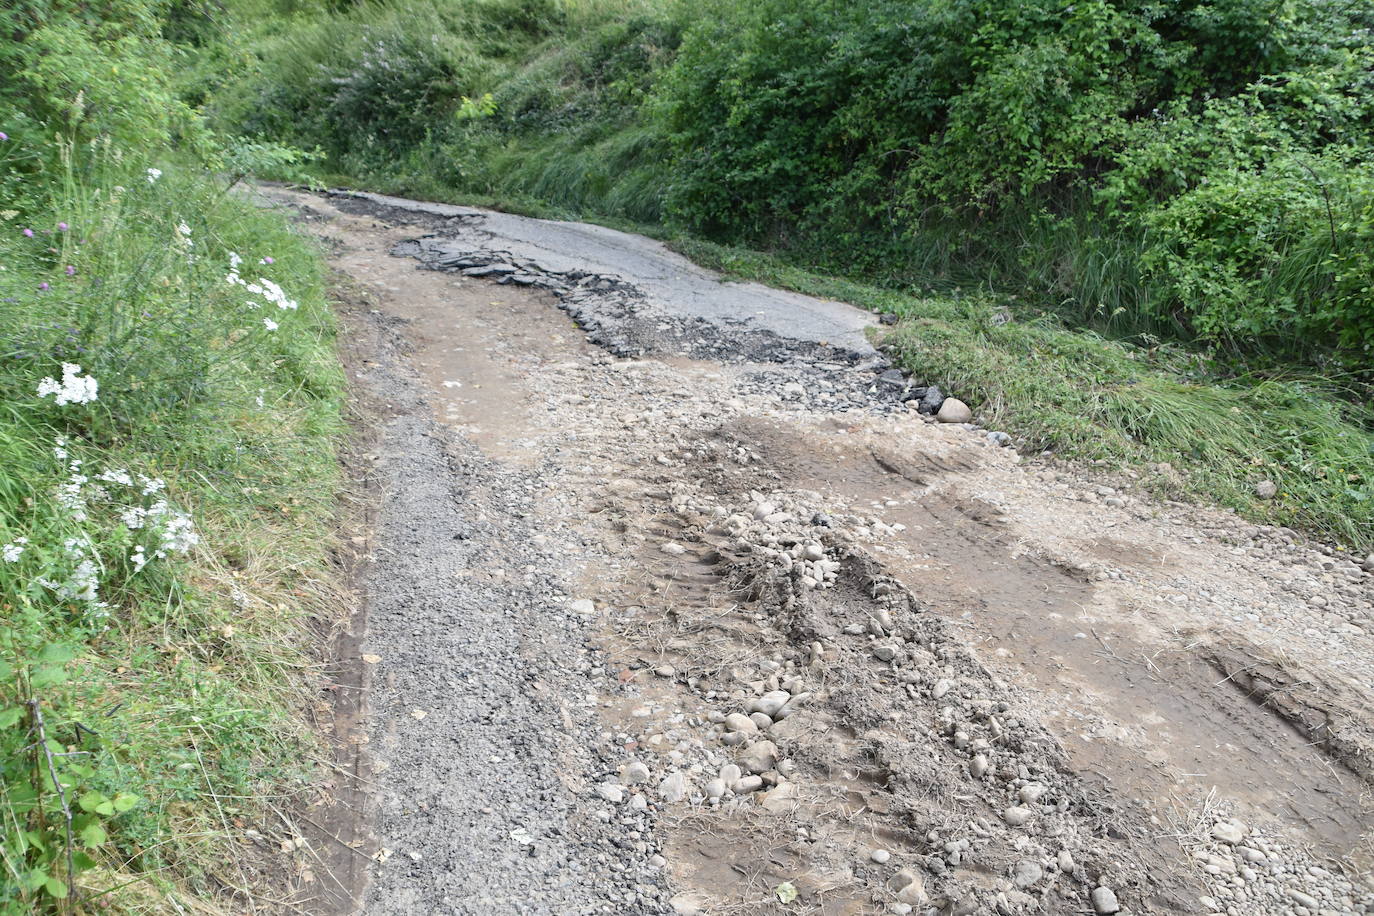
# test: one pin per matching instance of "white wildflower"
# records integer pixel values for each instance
(274, 293)
(13, 551)
(73, 389)
(138, 558)
(71, 497)
(60, 448)
(115, 475)
(179, 534)
(269, 324)
(234, 261)
(84, 585)
(150, 485)
(154, 175)
(133, 517)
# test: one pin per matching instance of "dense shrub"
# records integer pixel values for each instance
(1226, 138)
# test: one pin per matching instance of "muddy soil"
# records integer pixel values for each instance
(669, 614)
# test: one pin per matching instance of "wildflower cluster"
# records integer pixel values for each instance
(74, 388)
(148, 528)
(264, 287)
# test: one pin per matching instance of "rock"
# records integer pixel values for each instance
(930, 401)
(908, 887)
(793, 391)
(885, 653)
(611, 792)
(1302, 899)
(781, 798)
(1032, 793)
(1026, 873)
(954, 410)
(582, 606)
(687, 905)
(892, 379)
(634, 773)
(978, 766)
(1064, 861)
(1001, 439)
(672, 548)
(1266, 489)
(1016, 815)
(730, 774)
(715, 788)
(674, 787)
(746, 784)
(1104, 901)
(763, 510)
(760, 757)
(943, 686)
(881, 856)
(1230, 833)
(769, 703)
(739, 722)
(762, 720)
(639, 803)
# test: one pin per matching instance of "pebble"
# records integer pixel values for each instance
(739, 722)
(760, 757)
(942, 687)
(635, 772)
(582, 606)
(954, 410)
(908, 887)
(1016, 815)
(1064, 861)
(674, 787)
(715, 788)
(611, 792)
(978, 766)
(1229, 833)
(1104, 901)
(881, 856)
(770, 702)
(1026, 873)
(746, 784)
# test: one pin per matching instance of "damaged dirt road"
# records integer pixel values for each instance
(673, 604)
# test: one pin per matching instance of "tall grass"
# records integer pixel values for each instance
(163, 661)
(1087, 396)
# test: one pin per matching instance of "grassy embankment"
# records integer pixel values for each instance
(1174, 203)
(167, 484)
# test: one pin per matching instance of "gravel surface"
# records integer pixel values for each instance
(673, 615)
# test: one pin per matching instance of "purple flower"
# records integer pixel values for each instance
(61, 227)
(44, 286)
(268, 260)
(28, 233)
(4, 136)
(70, 270)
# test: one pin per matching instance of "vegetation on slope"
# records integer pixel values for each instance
(169, 403)
(1173, 201)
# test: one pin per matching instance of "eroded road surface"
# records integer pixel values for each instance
(673, 604)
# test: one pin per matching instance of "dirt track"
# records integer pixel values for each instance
(979, 682)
